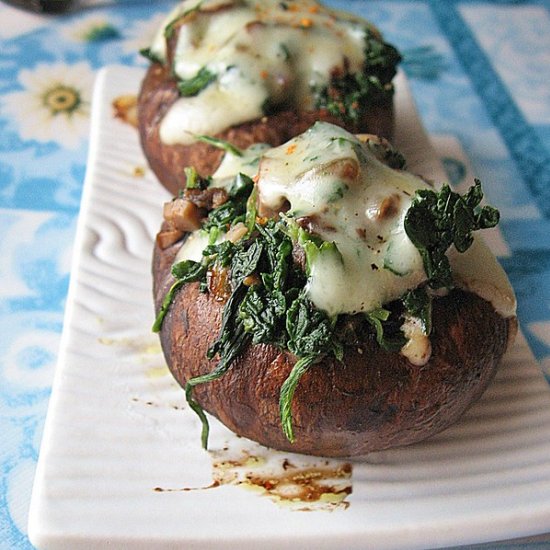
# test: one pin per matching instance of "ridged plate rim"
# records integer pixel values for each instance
(115, 428)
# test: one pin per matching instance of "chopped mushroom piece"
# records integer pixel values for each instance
(168, 238)
(237, 232)
(182, 214)
(206, 198)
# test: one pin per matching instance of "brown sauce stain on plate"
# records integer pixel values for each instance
(307, 489)
(213, 485)
(298, 483)
(293, 481)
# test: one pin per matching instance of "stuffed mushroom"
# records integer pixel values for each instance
(258, 71)
(317, 297)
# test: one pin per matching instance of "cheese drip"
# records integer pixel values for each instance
(339, 190)
(336, 188)
(330, 183)
(263, 53)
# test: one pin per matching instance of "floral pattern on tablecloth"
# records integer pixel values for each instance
(48, 66)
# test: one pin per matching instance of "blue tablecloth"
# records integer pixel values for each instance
(480, 74)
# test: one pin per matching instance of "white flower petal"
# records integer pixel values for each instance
(44, 112)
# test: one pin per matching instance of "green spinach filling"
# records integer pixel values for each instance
(268, 303)
(349, 96)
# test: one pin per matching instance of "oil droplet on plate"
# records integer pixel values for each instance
(298, 483)
(125, 109)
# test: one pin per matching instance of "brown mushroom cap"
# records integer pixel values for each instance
(159, 92)
(372, 400)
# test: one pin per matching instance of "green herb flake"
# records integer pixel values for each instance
(171, 27)
(349, 96)
(251, 210)
(150, 55)
(285, 52)
(193, 180)
(437, 220)
(387, 337)
(193, 86)
(184, 272)
(241, 187)
(418, 303)
(337, 193)
(220, 144)
(287, 393)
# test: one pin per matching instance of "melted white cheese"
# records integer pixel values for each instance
(192, 247)
(217, 107)
(418, 348)
(478, 271)
(354, 201)
(351, 199)
(247, 164)
(158, 44)
(260, 53)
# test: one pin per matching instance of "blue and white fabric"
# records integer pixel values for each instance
(479, 72)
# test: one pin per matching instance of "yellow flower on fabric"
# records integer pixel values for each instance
(54, 104)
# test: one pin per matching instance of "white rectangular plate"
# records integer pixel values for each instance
(121, 462)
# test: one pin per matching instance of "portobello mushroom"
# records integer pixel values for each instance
(334, 304)
(258, 71)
